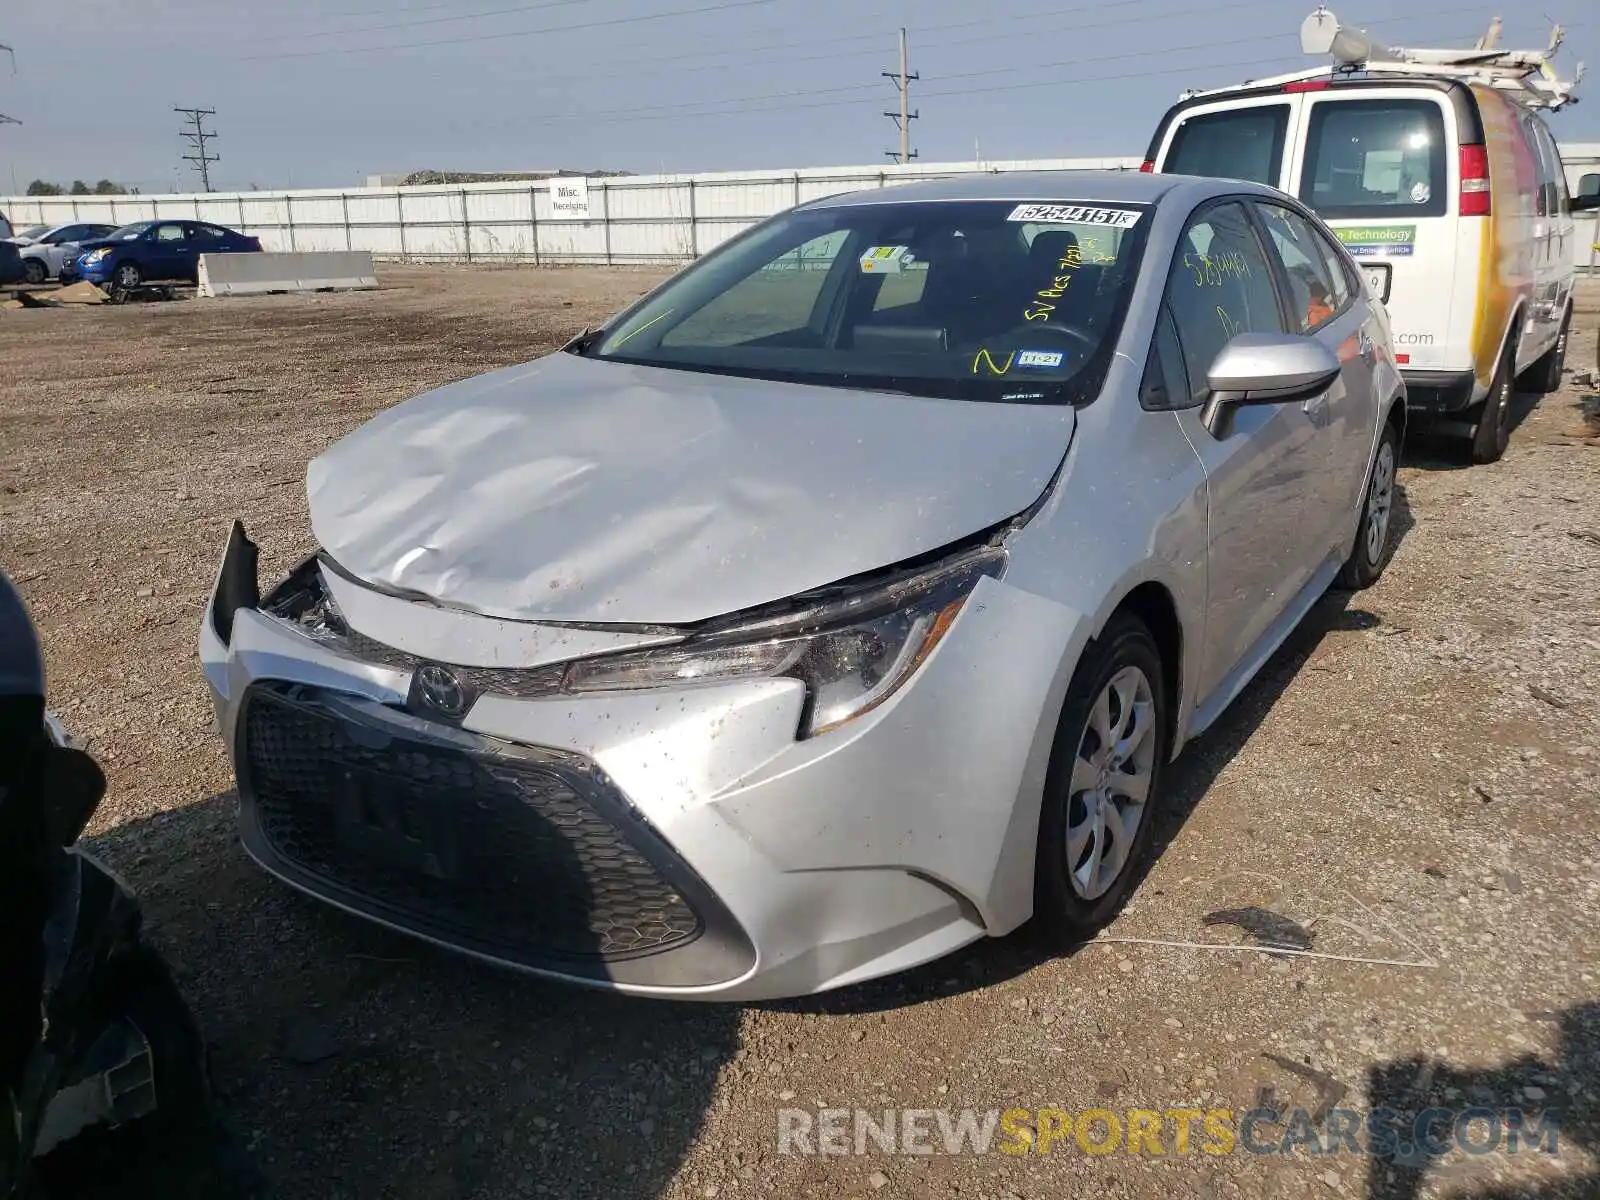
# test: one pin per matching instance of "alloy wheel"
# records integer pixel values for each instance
(1111, 778)
(1380, 502)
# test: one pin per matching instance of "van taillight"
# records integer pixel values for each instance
(1474, 181)
(1147, 167)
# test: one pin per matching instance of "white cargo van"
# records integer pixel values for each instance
(1438, 172)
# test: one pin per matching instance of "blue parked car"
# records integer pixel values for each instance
(154, 252)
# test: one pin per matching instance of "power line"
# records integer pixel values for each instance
(903, 118)
(471, 16)
(497, 37)
(762, 103)
(197, 137)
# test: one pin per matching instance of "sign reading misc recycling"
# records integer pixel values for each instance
(569, 199)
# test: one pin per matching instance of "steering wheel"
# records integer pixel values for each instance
(1032, 328)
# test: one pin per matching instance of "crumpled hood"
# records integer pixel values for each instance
(574, 489)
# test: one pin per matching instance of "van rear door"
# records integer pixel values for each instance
(1239, 138)
(1379, 166)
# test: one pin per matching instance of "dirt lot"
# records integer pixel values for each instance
(1413, 780)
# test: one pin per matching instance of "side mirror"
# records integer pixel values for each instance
(1266, 368)
(1587, 198)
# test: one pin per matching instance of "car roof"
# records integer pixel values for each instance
(1077, 187)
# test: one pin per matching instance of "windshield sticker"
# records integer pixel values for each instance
(1040, 358)
(887, 260)
(984, 358)
(1076, 214)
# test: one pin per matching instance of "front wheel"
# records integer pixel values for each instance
(1375, 535)
(33, 271)
(126, 277)
(1103, 782)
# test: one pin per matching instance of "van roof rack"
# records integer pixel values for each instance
(1525, 74)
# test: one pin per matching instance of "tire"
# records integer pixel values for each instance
(1375, 534)
(126, 277)
(1076, 887)
(182, 1149)
(1492, 433)
(1544, 376)
(33, 272)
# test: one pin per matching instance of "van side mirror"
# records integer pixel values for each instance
(1265, 368)
(1587, 198)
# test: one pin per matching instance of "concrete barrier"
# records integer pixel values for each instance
(250, 274)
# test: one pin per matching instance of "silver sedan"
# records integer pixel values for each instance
(836, 605)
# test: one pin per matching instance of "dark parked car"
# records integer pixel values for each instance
(155, 252)
(10, 263)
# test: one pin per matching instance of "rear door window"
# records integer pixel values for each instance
(1235, 143)
(1377, 159)
(1313, 297)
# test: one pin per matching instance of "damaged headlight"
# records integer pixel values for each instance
(852, 652)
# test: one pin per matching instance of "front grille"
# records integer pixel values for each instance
(500, 854)
(521, 682)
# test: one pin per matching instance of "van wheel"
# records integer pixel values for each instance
(1544, 376)
(1104, 782)
(1493, 432)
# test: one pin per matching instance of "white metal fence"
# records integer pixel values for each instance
(628, 219)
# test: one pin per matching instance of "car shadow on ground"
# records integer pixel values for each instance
(995, 961)
(350, 1061)
(1554, 1103)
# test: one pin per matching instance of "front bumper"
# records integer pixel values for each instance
(676, 842)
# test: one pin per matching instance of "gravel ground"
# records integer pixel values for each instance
(1413, 780)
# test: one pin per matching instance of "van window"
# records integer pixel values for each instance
(1377, 159)
(1552, 199)
(1237, 143)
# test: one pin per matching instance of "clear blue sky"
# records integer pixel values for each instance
(324, 92)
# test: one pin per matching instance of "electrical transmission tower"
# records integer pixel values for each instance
(197, 137)
(902, 119)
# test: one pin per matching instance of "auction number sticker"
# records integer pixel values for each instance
(1076, 214)
(886, 260)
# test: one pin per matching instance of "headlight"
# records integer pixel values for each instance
(96, 255)
(852, 652)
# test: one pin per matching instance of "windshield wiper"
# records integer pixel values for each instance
(584, 342)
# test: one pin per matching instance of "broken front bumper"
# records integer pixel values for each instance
(677, 842)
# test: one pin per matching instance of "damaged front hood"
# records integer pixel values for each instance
(571, 489)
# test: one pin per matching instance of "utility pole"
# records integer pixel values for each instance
(197, 138)
(902, 119)
(5, 120)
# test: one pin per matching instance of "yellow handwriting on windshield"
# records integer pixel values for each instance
(1230, 327)
(1040, 308)
(984, 357)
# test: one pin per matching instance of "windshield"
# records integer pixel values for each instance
(988, 300)
(129, 232)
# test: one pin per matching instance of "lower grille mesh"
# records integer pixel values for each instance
(505, 854)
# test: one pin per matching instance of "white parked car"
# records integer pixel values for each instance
(52, 249)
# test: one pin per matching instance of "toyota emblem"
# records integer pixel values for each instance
(439, 689)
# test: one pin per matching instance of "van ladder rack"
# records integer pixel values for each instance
(1525, 74)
